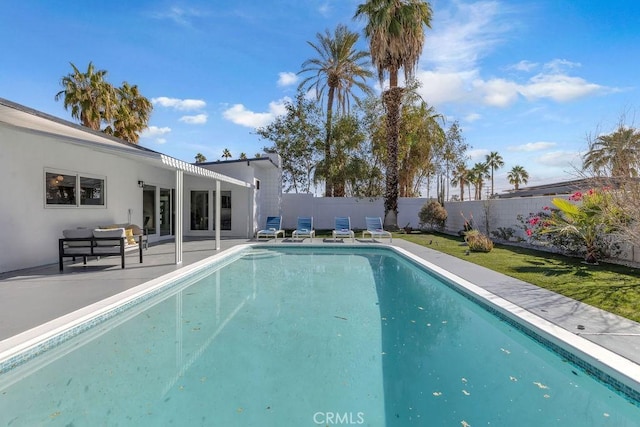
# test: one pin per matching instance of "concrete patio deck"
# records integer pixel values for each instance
(33, 297)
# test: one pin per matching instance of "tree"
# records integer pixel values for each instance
(337, 69)
(226, 154)
(130, 114)
(518, 175)
(200, 158)
(494, 161)
(243, 156)
(396, 37)
(421, 139)
(616, 155)
(477, 175)
(296, 137)
(433, 215)
(122, 112)
(460, 177)
(90, 97)
(454, 153)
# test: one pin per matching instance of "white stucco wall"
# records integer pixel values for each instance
(30, 230)
(325, 209)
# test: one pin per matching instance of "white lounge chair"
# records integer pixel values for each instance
(343, 228)
(304, 228)
(374, 228)
(272, 228)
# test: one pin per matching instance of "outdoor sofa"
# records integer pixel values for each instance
(87, 242)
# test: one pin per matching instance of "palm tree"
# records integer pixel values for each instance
(200, 158)
(243, 156)
(337, 69)
(460, 177)
(616, 153)
(226, 154)
(396, 37)
(494, 161)
(131, 114)
(518, 175)
(477, 175)
(90, 97)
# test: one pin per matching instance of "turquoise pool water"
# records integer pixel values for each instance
(302, 337)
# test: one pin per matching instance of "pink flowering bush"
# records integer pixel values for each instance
(577, 225)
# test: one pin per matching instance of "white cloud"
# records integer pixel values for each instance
(477, 155)
(153, 131)
(239, 114)
(161, 140)
(566, 159)
(559, 87)
(441, 87)
(287, 78)
(465, 34)
(497, 92)
(533, 146)
(470, 118)
(198, 119)
(179, 104)
(179, 15)
(523, 65)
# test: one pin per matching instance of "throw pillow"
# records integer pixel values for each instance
(128, 233)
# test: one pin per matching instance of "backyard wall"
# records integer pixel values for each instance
(488, 215)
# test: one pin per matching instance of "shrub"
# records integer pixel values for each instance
(477, 241)
(432, 216)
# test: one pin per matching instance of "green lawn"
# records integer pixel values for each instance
(611, 287)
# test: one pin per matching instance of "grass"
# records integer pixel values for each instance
(611, 287)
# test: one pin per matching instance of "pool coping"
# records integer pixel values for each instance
(613, 367)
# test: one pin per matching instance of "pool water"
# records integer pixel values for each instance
(297, 337)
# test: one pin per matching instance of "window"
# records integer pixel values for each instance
(225, 210)
(199, 210)
(61, 189)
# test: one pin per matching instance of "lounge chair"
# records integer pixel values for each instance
(343, 228)
(374, 228)
(304, 228)
(272, 228)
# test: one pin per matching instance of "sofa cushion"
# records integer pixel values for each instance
(129, 235)
(114, 232)
(78, 233)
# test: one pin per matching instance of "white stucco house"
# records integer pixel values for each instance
(59, 175)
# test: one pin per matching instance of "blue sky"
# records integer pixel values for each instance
(529, 79)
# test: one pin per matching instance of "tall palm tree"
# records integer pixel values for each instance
(131, 114)
(494, 161)
(90, 97)
(226, 154)
(396, 37)
(460, 177)
(338, 68)
(243, 156)
(477, 175)
(616, 154)
(518, 175)
(200, 158)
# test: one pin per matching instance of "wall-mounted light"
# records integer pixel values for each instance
(141, 184)
(60, 178)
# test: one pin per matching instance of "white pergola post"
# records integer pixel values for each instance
(218, 203)
(179, 200)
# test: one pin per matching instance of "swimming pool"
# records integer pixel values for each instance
(304, 336)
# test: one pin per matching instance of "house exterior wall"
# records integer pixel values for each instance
(30, 229)
(240, 208)
(267, 200)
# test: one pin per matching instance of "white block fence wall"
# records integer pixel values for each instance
(488, 215)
